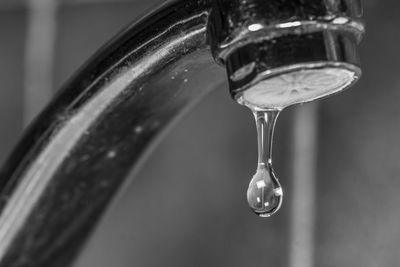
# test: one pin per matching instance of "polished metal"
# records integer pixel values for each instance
(97, 132)
(268, 38)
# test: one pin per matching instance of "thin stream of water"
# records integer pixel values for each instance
(265, 193)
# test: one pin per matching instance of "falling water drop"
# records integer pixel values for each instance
(265, 194)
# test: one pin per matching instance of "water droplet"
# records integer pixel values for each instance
(340, 20)
(265, 193)
(255, 27)
(138, 129)
(111, 154)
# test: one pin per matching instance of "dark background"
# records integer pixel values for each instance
(187, 207)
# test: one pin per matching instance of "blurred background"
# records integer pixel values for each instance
(338, 159)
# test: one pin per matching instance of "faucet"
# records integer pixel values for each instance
(96, 133)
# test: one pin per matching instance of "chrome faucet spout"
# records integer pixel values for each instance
(97, 131)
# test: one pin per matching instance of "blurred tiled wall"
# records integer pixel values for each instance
(187, 207)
